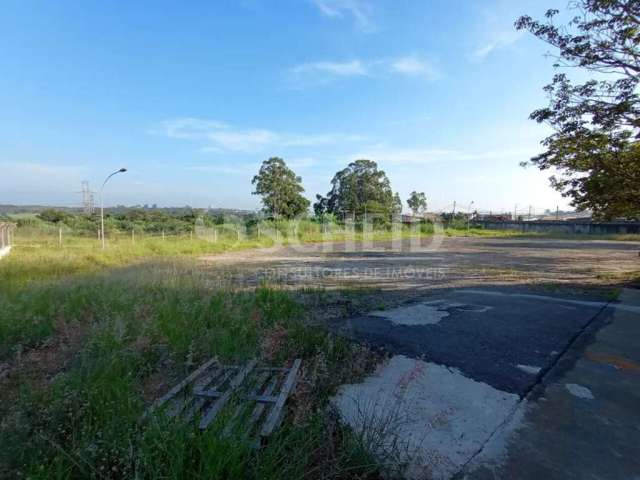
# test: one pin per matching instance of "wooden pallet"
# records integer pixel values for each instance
(258, 393)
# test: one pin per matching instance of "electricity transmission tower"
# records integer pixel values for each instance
(87, 198)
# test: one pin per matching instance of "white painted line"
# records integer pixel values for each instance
(529, 369)
(586, 303)
(425, 313)
(413, 315)
(579, 391)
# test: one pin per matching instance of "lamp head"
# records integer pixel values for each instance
(122, 170)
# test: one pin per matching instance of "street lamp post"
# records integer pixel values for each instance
(122, 170)
(469, 214)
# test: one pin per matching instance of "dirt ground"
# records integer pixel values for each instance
(413, 268)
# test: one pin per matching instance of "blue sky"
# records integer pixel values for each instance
(192, 96)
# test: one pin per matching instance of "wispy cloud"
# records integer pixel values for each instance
(418, 156)
(498, 41)
(359, 10)
(414, 66)
(326, 70)
(244, 169)
(220, 137)
(319, 73)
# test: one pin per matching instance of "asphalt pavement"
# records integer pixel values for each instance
(507, 384)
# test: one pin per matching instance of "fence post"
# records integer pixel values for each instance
(163, 234)
(60, 237)
(215, 234)
(133, 235)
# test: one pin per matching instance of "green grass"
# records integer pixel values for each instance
(92, 336)
(40, 256)
(135, 325)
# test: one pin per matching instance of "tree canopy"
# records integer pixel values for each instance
(280, 188)
(360, 187)
(594, 146)
(417, 202)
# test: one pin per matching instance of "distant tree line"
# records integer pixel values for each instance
(182, 220)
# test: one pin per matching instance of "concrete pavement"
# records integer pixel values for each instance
(583, 420)
(502, 384)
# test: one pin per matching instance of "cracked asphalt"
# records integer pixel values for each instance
(491, 333)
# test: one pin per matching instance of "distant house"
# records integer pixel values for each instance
(494, 217)
(408, 219)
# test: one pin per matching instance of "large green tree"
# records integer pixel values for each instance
(596, 124)
(417, 202)
(358, 189)
(280, 188)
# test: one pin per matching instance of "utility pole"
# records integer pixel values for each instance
(454, 209)
(557, 213)
(122, 170)
(529, 212)
(515, 213)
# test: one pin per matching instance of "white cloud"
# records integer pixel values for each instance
(188, 128)
(248, 169)
(245, 169)
(302, 162)
(498, 41)
(238, 141)
(417, 156)
(359, 10)
(414, 66)
(220, 137)
(347, 69)
(319, 73)
(322, 73)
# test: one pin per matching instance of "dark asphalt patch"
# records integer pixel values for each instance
(485, 344)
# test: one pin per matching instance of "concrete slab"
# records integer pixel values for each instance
(488, 335)
(430, 418)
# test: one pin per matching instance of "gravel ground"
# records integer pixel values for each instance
(395, 272)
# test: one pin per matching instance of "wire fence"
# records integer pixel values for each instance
(222, 233)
